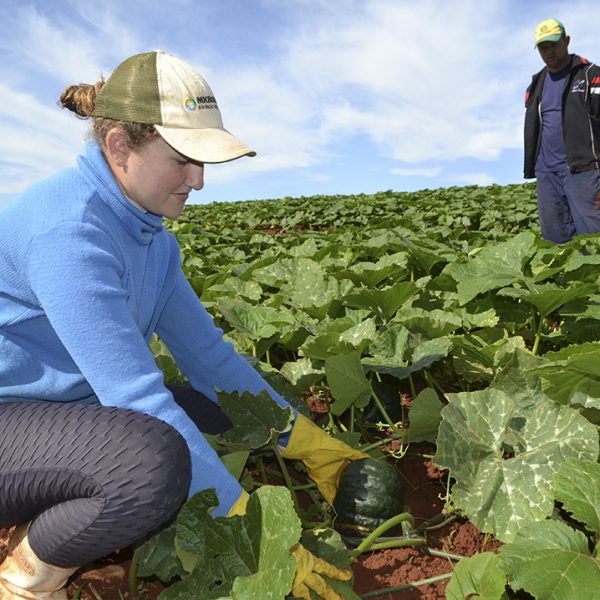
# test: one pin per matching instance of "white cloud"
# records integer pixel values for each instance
(35, 140)
(421, 82)
(424, 172)
(425, 84)
(63, 46)
(481, 179)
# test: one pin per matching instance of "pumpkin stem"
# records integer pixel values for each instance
(368, 543)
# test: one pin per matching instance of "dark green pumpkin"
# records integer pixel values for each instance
(370, 492)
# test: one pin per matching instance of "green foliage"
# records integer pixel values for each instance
(240, 557)
(257, 420)
(503, 454)
(480, 576)
(452, 292)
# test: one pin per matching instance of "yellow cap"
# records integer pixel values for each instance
(550, 30)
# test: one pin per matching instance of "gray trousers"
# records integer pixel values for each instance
(567, 204)
(93, 479)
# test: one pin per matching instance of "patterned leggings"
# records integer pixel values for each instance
(93, 479)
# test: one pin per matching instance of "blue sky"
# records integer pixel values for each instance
(338, 97)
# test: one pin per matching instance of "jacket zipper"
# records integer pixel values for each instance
(585, 99)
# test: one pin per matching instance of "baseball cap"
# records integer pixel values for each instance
(156, 88)
(549, 30)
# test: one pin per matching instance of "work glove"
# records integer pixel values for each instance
(308, 575)
(309, 568)
(239, 508)
(325, 457)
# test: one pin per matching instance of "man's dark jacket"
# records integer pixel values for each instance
(580, 117)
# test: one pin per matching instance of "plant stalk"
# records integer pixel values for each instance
(397, 543)
(367, 543)
(132, 578)
(383, 412)
(387, 440)
(407, 586)
(538, 335)
(411, 385)
(286, 477)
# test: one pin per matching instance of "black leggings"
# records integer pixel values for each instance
(93, 479)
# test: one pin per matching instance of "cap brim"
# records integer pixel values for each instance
(209, 145)
(549, 38)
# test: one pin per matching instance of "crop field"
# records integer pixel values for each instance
(435, 319)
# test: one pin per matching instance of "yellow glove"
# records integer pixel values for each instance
(239, 508)
(324, 456)
(308, 575)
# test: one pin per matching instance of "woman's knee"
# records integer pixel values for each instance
(161, 477)
(96, 479)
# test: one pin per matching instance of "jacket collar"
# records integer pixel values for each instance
(141, 225)
(576, 62)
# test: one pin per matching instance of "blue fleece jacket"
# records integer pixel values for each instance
(86, 278)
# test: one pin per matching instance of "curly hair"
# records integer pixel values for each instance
(81, 99)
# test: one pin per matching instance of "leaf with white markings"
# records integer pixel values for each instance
(504, 457)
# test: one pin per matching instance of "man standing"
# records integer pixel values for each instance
(562, 137)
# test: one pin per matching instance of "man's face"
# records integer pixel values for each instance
(555, 54)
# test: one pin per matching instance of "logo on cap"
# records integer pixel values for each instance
(189, 103)
(550, 30)
(199, 102)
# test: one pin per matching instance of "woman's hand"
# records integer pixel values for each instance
(308, 575)
(324, 457)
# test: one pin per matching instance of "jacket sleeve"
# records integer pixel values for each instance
(594, 92)
(76, 275)
(205, 358)
(530, 134)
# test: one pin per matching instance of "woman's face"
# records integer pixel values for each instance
(158, 178)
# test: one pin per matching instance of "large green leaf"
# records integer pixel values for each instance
(551, 561)
(478, 356)
(277, 272)
(158, 557)
(302, 374)
(578, 488)
(326, 341)
(431, 323)
(424, 417)
(503, 456)
(494, 267)
(480, 577)
(360, 335)
(233, 286)
(384, 302)
(276, 567)
(315, 294)
(371, 274)
(550, 297)
(519, 380)
(257, 419)
(241, 557)
(256, 322)
(423, 355)
(349, 385)
(391, 345)
(571, 370)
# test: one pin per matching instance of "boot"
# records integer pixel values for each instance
(24, 575)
